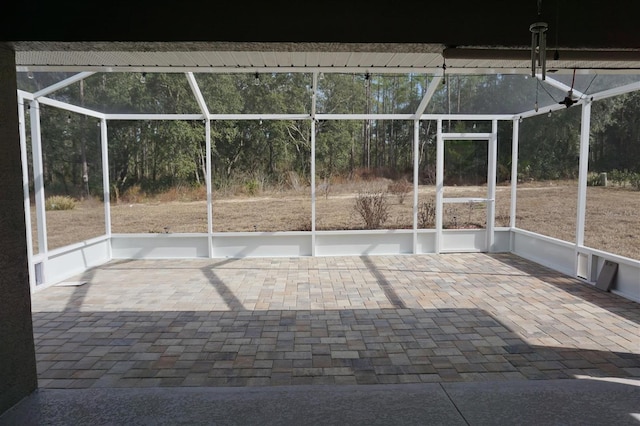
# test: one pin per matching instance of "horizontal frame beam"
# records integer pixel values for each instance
(69, 107)
(62, 84)
(525, 69)
(240, 117)
(466, 136)
(134, 117)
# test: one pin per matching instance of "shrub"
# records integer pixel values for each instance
(133, 194)
(400, 188)
(594, 179)
(252, 187)
(59, 202)
(634, 179)
(620, 177)
(373, 208)
(427, 215)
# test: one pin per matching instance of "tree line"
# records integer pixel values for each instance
(157, 155)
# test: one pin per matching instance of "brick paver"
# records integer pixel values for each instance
(329, 320)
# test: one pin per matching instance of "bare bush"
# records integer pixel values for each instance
(59, 202)
(373, 207)
(400, 189)
(427, 215)
(325, 187)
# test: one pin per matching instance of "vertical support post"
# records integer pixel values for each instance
(514, 179)
(439, 185)
(416, 164)
(25, 191)
(491, 186)
(514, 171)
(18, 375)
(313, 186)
(38, 178)
(207, 132)
(106, 184)
(314, 83)
(582, 174)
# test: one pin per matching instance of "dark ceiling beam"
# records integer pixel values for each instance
(592, 24)
(525, 54)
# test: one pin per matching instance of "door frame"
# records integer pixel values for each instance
(492, 141)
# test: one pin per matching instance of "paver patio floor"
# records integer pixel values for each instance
(329, 320)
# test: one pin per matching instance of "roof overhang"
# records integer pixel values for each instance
(306, 57)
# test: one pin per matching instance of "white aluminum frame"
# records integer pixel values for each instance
(52, 266)
(488, 244)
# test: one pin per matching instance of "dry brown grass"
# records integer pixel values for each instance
(548, 208)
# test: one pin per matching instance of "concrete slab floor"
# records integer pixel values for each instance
(544, 402)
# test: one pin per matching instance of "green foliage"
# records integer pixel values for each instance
(620, 177)
(594, 179)
(252, 187)
(157, 155)
(634, 180)
(59, 202)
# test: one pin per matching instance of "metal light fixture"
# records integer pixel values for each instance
(30, 75)
(143, 77)
(256, 80)
(367, 79)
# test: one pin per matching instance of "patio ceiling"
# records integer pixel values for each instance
(326, 57)
(469, 36)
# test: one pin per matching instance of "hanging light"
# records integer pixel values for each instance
(256, 80)
(69, 118)
(367, 79)
(444, 73)
(143, 78)
(30, 75)
(321, 76)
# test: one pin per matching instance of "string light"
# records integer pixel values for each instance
(444, 73)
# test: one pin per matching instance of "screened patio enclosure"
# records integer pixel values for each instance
(454, 162)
